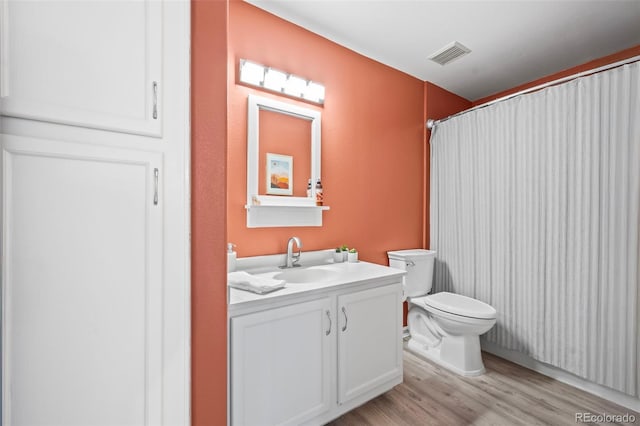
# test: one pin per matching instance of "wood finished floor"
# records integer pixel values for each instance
(506, 394)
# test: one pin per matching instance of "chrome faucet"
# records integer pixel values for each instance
(293, 259)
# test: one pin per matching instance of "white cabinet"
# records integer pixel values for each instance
(369, 340)
(91, 64)
(281, 364)
(79, 251)
(311, 361)
(95, 212)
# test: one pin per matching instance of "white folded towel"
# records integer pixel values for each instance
(244, 281)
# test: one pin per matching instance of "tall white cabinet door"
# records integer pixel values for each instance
(281, 364)
(94, 64)
(82, 285)
(369, 340)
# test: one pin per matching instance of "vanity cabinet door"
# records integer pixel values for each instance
(369, 340)
(282, 364)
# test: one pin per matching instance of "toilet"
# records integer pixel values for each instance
(444, 327)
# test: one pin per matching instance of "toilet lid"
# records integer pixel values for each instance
(460, 305)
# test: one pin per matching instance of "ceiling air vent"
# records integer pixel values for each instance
(449, 53)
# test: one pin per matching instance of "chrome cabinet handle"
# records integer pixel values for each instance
(344, 311)
(155, 100)
(155, 180)
(326, 333)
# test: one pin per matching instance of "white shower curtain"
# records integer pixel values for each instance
(535, 209)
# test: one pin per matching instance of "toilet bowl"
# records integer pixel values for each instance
(443, 327)
(451, 336)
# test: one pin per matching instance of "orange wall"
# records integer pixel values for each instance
(619, 56)
(372, 141)
(208, 212)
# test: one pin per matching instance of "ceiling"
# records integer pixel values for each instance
(511, 42)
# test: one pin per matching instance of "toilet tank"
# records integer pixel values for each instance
(419, 266)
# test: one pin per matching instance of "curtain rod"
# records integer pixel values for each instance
(431, 123)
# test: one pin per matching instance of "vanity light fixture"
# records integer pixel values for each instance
(252, 73)
(314, 91)
(295, 86)
(279, 81)
(274, 79)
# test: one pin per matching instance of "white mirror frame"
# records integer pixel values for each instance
(269, 210)
(257, 103)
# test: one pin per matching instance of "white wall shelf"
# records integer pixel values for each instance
(270, 216)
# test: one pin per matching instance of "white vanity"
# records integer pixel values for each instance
(326, 343)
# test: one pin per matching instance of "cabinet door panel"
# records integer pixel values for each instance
(82, 285)
(84, 63)
(369, 340)
(281, 365)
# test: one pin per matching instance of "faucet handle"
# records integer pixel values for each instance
(295, 258)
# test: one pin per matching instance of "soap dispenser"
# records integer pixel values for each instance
(231, 258)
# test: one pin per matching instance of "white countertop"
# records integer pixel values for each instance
(346, 275)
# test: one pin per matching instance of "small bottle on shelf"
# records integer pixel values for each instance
(309, 189)
(319, 196)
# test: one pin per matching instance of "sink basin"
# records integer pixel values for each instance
(306, 275)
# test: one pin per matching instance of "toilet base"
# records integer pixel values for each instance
(460, 354)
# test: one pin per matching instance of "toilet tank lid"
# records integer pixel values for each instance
(460, 305)
(410, 254)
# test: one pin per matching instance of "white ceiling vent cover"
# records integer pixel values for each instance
(449, 53)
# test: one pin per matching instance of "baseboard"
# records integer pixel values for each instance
(563, 376)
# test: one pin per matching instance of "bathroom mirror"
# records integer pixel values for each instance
(283, 153)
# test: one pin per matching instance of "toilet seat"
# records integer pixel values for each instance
(456, 304)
